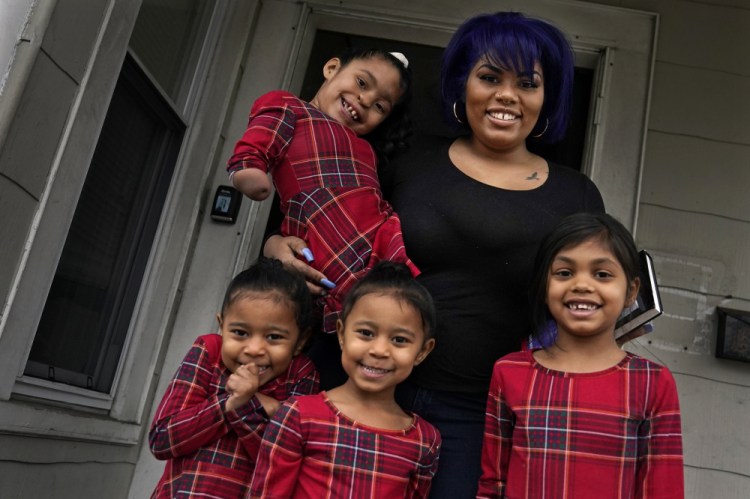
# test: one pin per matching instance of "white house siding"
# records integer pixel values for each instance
(695, 218)
(692, 215)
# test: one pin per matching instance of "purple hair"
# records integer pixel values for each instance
(515, 41)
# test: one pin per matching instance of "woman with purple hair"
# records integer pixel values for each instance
(473, 211)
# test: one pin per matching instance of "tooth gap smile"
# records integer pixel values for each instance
(349, 109)
(582, 306)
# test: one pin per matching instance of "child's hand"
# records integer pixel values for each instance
(242, 385)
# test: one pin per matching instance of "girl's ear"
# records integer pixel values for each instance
(220, 320)
(340, 332)
(331, 67)
(633, 289)
(425, 351)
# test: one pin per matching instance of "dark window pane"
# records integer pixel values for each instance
(88, 310)
(569, 151)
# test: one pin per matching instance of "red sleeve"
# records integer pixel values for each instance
(498, 436)
(249, 422)
(269, 130)
(190, 414)
(280, 456)
(421, 481)
(660, 471)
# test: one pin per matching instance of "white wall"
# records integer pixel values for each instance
(695, 218)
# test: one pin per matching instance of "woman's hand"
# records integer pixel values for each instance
(293, 253)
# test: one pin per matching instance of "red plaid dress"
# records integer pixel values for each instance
(327, 180)
(311, 450)
(210, 452)
(609, 434)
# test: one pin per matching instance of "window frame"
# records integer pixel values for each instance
(138, 234)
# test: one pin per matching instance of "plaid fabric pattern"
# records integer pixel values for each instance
(327, 180)
(613, 434)
(211, 453)
(311, 450)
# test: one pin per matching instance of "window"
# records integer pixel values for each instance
(85, 320)
(83, 330)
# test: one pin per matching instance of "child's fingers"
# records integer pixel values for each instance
(247, 371)
(252, 369)
(243, 382)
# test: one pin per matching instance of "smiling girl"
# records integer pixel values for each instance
(582, 418)
(355, 440)
(211, 419)
(326, 172)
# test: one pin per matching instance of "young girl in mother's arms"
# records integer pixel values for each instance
(582, 418)
(324, 166)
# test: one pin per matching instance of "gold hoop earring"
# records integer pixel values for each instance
(545, 129)
(455, 115)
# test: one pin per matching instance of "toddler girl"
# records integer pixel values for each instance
(354, 440)
(582, 418)
(210, 422)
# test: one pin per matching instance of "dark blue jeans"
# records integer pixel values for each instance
(460, 419)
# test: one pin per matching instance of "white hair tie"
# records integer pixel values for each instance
(401, 57)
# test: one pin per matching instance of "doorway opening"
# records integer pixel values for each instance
(426, 110)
